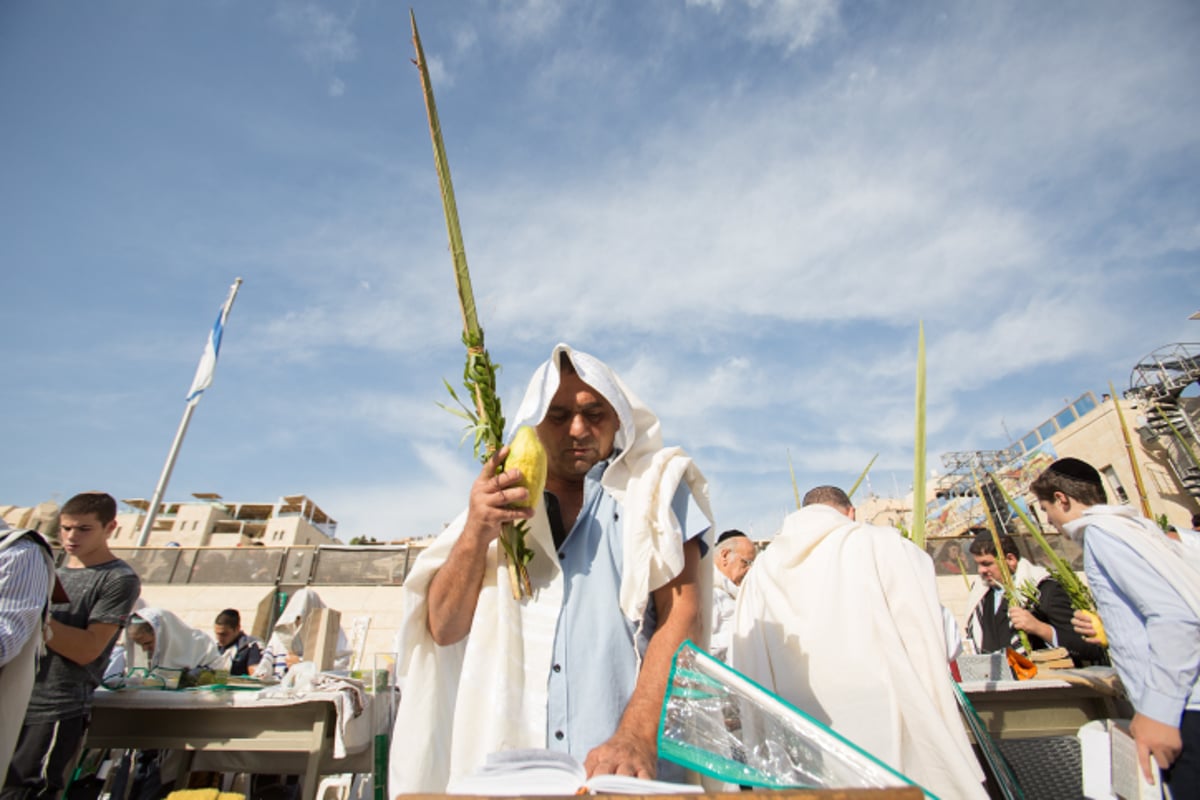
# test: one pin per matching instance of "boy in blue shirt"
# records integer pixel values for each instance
(1148, 595)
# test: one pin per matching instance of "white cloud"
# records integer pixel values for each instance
(524, 20)
(439, 75)
(322, 37)
(792, 24)
(417, 503)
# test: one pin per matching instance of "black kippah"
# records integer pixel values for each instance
(1076, 469)
(729, 535)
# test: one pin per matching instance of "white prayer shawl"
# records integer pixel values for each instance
(489, 691)
(1177, 565)
(725, 594)
(18, 674)
(287, 635)
(842, 619)
(954, 645)
(1026, 572)
(177, 645)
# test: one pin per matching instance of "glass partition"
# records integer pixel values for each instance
(239, 565)
(152, 564)
(384, 565)
(361, 565)
(297, 565)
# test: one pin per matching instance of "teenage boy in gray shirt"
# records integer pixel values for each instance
(102, 590)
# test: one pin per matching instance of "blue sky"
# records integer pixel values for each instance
(744, 206)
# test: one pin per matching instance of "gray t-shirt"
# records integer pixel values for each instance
(104, 593)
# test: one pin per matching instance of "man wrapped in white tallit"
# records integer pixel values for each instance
(170, 643)
(842, 620)
(582, 665)
(285, 645)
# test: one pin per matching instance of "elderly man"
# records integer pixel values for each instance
(580, 666)
(842, 619)
(732, 558)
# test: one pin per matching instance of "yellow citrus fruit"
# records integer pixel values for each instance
(1099, 626)
(525, 452)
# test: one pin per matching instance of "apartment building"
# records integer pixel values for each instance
(210, 521)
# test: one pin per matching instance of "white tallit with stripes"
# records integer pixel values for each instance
(17, 675)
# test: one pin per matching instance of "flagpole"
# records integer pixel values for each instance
(202, 380)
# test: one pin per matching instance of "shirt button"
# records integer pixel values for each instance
(558, 735)
(558, 667)
(562, 555)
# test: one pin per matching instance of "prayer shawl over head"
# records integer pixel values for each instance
(489, 691)
(287, 636)
(177, 645)
(1026, 572)
(1177, 564)
(842, 619)
(17, 675)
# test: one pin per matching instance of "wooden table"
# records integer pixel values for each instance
(287, 735)
(1037, 708)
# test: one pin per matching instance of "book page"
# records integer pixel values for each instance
(627, 784)
(522, 772)
(1128, 783)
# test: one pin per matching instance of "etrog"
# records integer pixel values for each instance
(526, 453)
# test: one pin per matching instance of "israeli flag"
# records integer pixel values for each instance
(208, 361)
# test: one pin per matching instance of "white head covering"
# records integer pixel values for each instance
(290, 625)
(594, 373)
(177, 645)
(287, 636)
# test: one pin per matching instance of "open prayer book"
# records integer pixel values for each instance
(512, 773)
(1110, 763)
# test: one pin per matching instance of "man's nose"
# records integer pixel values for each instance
(578, 426)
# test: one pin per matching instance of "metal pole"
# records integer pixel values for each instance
(152, 512)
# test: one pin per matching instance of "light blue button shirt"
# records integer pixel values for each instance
(1154, 638)
(595, 668)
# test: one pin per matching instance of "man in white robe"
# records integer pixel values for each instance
(481, 671)
(842, 619)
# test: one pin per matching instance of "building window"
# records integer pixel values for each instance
(1114, 484)
(1065, 417)
(1160, 478)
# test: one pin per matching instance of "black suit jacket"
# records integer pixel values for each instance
(1054, 608)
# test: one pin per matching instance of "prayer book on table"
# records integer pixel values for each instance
(532, 773)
